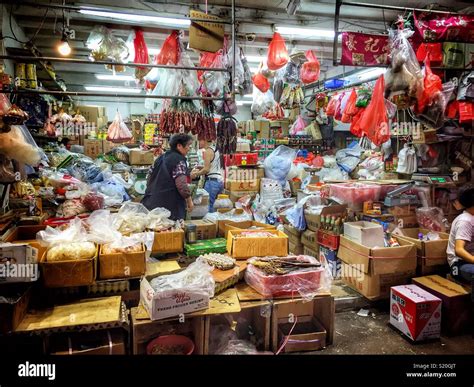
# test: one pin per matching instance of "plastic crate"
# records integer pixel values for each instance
(355, 194)
(329, 240)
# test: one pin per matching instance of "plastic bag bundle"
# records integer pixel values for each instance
(86, 170)
(216, 82)
(158, 220)
(118, 131)
(278, 163)
(75, 232)
(262, 102)
(349, 158)
(277, 53)
(432, 86)
(350, 109)
(431, 218)
(195, 278)
(105, 46)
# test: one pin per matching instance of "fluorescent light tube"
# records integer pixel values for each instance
(241, 103)
(107, 89)
(153, 51)
(372, 73)
(307, 32)
(112, 77)
(255, 58)
(138, 18)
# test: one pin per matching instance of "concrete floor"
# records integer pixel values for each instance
(355, 335)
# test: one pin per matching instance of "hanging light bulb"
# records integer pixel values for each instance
(64, 48)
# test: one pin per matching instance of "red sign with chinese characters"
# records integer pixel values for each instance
(364, 49)
(435, 27)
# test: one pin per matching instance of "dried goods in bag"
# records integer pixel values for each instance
(310, 70)
(118, 132)
(261, 82)
(277, 53)
(169, 52)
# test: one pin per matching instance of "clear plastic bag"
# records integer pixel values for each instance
(238, 347)
(262, 102)
(93, 201)
(246, 86)
(114, 194)
(216, 81)
(74, 232)
(431, 218)
(131, 218)
(100, 227)
(71, 208)
(196, 278)
(86, 170)
(118, 132)
(305, 282)
(278, 163)
(158, 220)
(15, 147)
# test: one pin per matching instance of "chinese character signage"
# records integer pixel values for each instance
(364, 49)
(435, 27)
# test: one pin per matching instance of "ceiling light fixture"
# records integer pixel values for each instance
(153, 51)
(241, 103)
(64, 48)
(371, 73)
(112, 77)
(138, 18)
(113, 89)
(255, 58)
(307, 32)
(293, 6)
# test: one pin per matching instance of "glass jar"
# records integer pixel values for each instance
(191, 233)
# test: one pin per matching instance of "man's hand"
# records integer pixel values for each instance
(189, 204)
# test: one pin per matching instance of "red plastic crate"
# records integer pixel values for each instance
(245, 159)
(328, 239)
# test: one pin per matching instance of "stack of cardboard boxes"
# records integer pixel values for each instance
(242, 181)
(96, 115)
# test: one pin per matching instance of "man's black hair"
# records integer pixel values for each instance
(466, 196)
(179, 138)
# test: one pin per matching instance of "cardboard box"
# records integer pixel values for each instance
(431, 254)
(168, 242)
(296, 249)
(221, 231)
(242, 185)
(313, 222)
(205, 36)
(264, 131)
(376, 261)
(294, 235)
(402, 210)
(218, 245)
(243, 147)
(243, 248)
(456, 303)
(101, 342)
(415, 312)
(205, 229)
(141, 157)
(60, 274)
(371, 286)
(310, 239)
(13, 306)
(92, 113)
(405, 221)
(307, 335)
(26, 234)
(18, 263)
(365, 233)
(121, 265)
(311, 252)
(107, 146)
(92, 148)
(170, 303)
(246, 225)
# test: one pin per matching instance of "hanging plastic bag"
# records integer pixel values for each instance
(375, 120)
(331, 108)
(141, 54)
(310, 70)
(247, 85)
(260, 81)
(350, 109)
(278, 163)
(407, 160)
(169, 52)
(341, 105)
(432, 86)
(262, 102)
(298, 127)
(434, 50)
(215, 82)
(118, 132)
(466, 87)
(277, 53)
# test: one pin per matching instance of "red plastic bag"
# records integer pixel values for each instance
(277, 53)
(331, 108)
(309, 72)
(351, 109)
(141, 50)
(374, 121)
(260, 82)
(452, 110)
(466, 111)
(206, 60)
(169, 52)
(356, 129)
(434, 50)
(432, 86)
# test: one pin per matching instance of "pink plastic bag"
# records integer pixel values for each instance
(118, 132)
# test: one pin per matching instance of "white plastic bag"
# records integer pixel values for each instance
(407, 162)
(75, 232)
(278, 163)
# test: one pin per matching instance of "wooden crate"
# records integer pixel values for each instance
(257, 314)
(143, 331)
(321, 308)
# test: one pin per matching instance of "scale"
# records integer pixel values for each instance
(140, 183)
(433, 179)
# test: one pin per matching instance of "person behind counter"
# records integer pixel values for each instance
(460, 249)
(168, 182)
(212, 170)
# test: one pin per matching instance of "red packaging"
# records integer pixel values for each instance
(328, 239)
(300, 283)
(415, 312)
(245, 159)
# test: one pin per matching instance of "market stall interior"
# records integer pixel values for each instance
(329, 168)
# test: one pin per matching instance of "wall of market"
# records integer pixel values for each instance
(7, 31)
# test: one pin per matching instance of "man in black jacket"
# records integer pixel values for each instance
(168, 184)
